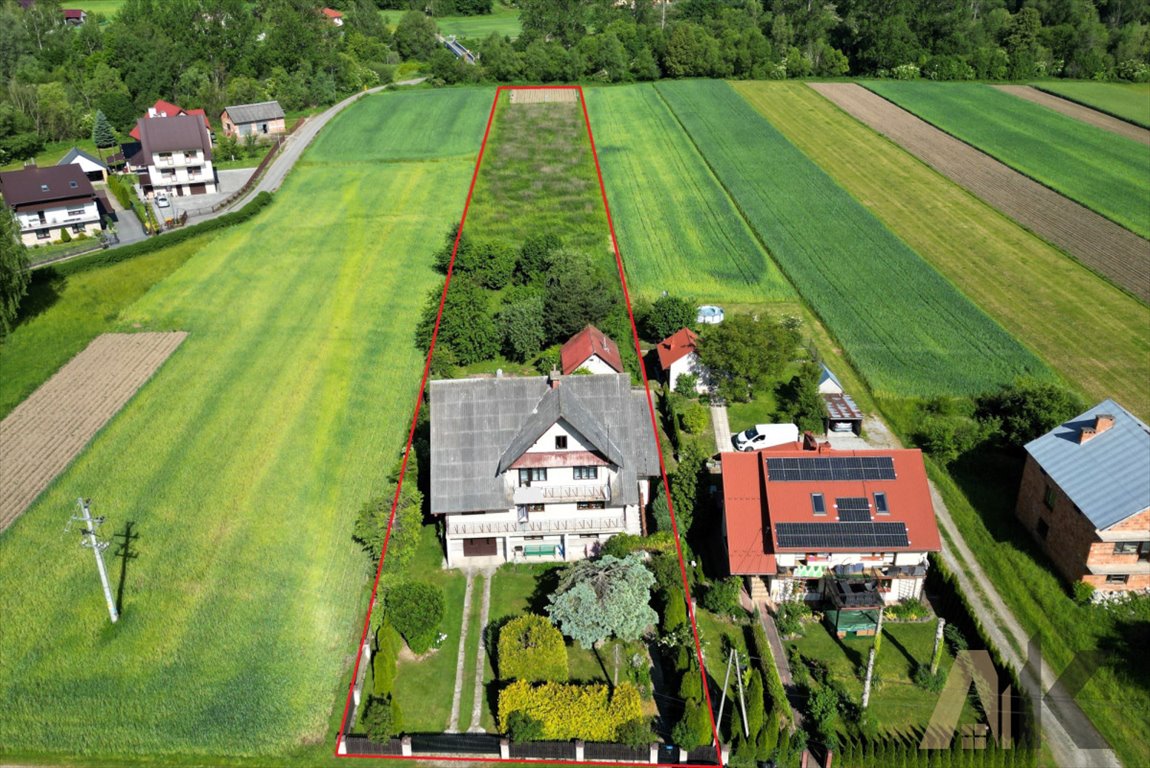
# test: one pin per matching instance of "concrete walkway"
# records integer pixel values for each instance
(481, 656)
(461, 658)
(722, 426)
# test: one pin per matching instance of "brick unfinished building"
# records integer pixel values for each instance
(1085, 496)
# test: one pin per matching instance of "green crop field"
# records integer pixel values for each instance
(678, 230)
(241, 466)
(1046, 299)
(903, 326)
(1102, 171)
(1128, 101)
(538, 176)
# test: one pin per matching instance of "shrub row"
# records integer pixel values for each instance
(562, 711)
(175, 237)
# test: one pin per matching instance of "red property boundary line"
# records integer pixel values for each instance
(411, 434)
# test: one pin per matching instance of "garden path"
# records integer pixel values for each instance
(481, 656)
(457, 696)
(780, 659)
(722, 428)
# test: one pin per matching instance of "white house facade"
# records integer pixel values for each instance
(178, 153)
(539, 468)
(47, 201)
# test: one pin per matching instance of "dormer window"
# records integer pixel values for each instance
(43, 187)
(560, 442)
(73, 185)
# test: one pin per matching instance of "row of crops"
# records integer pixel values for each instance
(676, 227)
(906, 329)
(1102, 171)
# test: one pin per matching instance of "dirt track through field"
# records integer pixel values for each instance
(1079, 112)
(1100, 244)
(42, 436)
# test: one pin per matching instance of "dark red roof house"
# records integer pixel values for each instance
(592, 350)
(74, 16)
(333, 15)
(678, 354)
(851, 529)
(167, 109)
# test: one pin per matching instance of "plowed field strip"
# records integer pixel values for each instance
(1079, 112)
(1113, 252)
(39, 439)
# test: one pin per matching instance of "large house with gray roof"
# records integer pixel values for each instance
(1085, 497)
(539, 468)
(263, 119)
(178, 154)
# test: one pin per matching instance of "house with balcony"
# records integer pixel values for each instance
(849, 530)
(1085, 497)
(538, 468)
(48, 200)
(178, 154)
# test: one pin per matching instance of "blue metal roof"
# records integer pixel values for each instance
(1108, 476)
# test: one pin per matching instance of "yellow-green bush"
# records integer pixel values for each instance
(531, 648)
(570, 711)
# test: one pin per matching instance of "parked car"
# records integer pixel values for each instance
(765, 436)
(161, 199)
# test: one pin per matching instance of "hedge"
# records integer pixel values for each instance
(531, 648)
(174, 237)
(776, 694)
(570, 711)
(383, 663)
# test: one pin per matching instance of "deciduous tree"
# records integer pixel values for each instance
(13, 271)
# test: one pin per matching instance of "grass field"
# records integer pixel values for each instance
(1103, 172)
(107, 7)
(241, 465)
(503, 20)
(903, 326)
(1044, 298)
(1128, 101)
(678, 230)
(538, 176)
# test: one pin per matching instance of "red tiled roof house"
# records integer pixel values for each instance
(850, 529)
(677, 355)
(590, 350)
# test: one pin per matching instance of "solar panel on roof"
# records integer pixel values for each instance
(853, 509)
(831, 468)
(843, 535)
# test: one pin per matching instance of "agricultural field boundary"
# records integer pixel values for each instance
(1046, 300)
(1104, 98)
(1101, 171)
(1078, 111)
(42, 435)
(339, 749)
(1112, 251)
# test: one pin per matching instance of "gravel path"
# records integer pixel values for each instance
(722, 426)
(481, 656)
(457, 696)
(1114, 252)
(1079, 112)
(41, 437)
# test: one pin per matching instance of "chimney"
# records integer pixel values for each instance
(825, 447)
(553, 378)
(1102, 422)
(810, 442)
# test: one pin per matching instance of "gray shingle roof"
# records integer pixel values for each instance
(255, 113)
(76, 152)
(477, 424)
(1108, 476)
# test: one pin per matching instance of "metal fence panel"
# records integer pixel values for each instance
(455, 744)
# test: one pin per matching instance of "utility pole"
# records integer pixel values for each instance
(89, 539)
(726, 681)
(869, 672)
(742, 698)
(935, 655)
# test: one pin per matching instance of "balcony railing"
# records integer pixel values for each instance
(540, 522)
(557, 494)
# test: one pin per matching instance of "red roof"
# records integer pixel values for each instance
(583, 345)
(754, 505)
(676, 346)
(331, 13)
(168, 109)
(73, 13)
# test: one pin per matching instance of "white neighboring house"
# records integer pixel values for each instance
(829, 383)
(48, 200)
(592, 351)
(678, 354)
(94, 168)
(538, 468)
(178, 153)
